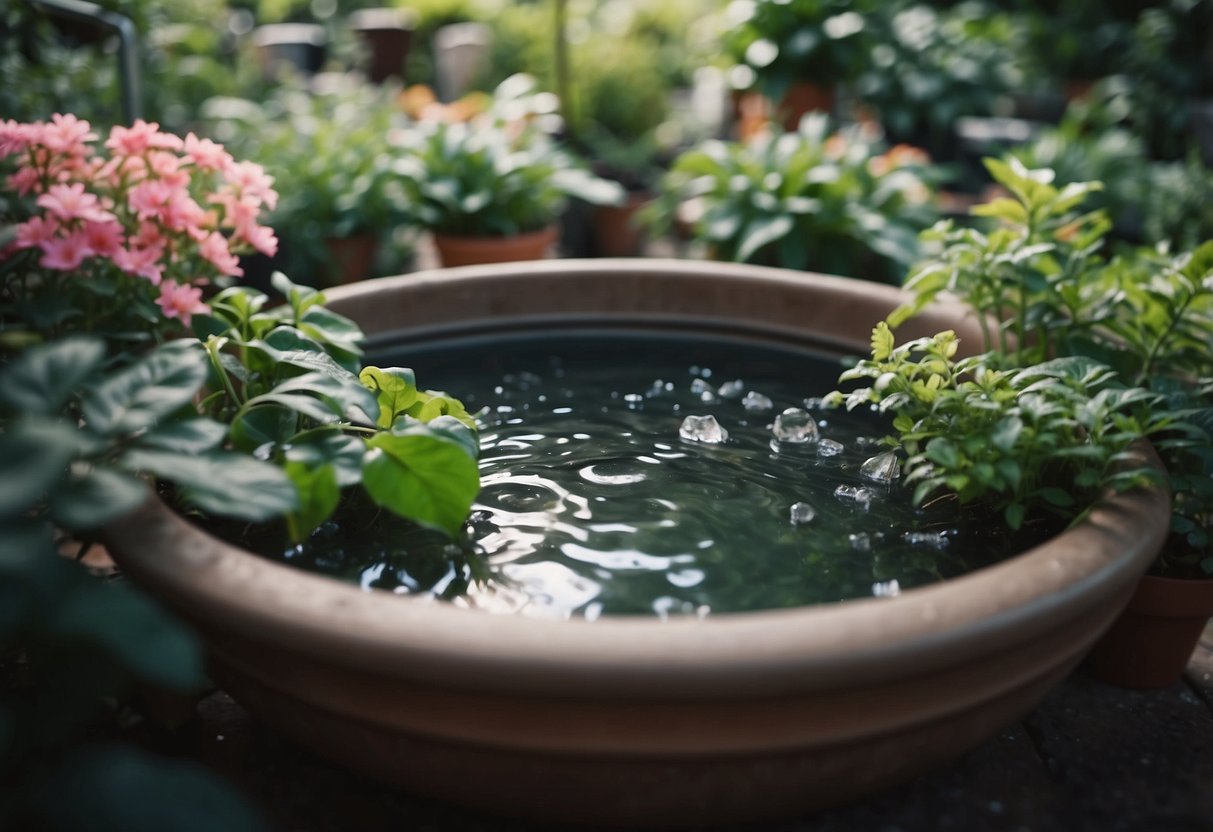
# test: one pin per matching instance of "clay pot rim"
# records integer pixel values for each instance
(548, 232)
(724, 656)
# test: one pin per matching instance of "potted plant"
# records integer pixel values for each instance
(1140, 323)
(491, 189)
(839, 204)
(621, 99)
(108, 259)
(934, 66)
(797, 54)
(328, 154)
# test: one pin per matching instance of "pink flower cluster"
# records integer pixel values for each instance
(154, 206)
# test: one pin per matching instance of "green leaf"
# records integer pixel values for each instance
(1014, 515)
(344, 395)
(148, 391)
(42, 379)
(300, 298)
(317, 362)
(760, 233)
(1056, 497)
(133, 630)
(266, 424)
(33, 459)
(943, 452)
(192, 436)
(343, 453)
(1003, 209)
(882, 342)
(319, 494)
(228, 484)
(319, 410)
(432, 404)
(89, 500)
(326, 325)
(1007, 432)
(395, 389)
(422, 476)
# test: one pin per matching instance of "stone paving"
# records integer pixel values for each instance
(1090, 757)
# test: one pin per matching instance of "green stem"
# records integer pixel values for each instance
(213, 352)
(1144, 373)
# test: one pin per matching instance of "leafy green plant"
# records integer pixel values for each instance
(1043, 290)
(825, 42)
(930, 66)
(1151, 202)
(805, 200)
(73, 430)
(501, 174)
(1026, 275)
(1046, 436)
(328, 154)
(286, 382)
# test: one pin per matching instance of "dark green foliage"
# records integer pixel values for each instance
(839, 204)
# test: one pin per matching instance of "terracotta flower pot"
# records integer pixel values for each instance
(352, 257)
(616, 233)
(455, 250)
(633, 720)
(1149, 645)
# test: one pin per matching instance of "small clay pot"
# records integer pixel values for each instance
(1149, 645)
(455, 250)
(352, 257)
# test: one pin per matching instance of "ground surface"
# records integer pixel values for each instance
(1090, 757)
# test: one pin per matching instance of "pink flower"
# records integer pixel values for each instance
(71, 202)
(181, 213)
(35, 231)
(238, 212)
(250, 180)
(181, 301)
(15, 137)
(139, 138)
(67, 134)
(167, 168)
(206, 154)
(142, 261)
(260, 237)
(148, 235)
(25, 180)
(103, 239)
(64, 253)
(214, 249)
(149, 198)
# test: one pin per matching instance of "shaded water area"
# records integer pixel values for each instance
(593, 502)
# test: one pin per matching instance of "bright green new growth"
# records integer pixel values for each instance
(1044, 291)
(1014, 439)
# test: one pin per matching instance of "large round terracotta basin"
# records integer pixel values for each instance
(631, 720)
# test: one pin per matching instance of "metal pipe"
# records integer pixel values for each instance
(128, 44)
